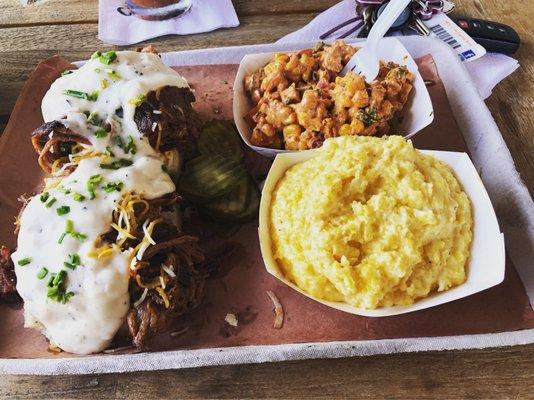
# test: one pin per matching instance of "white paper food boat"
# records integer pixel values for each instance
(486, 263)
(417, 113)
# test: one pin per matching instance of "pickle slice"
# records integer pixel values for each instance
(220, 137)
(253, 205)
(206, 178)
(238, 206)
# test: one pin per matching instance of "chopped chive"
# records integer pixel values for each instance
(112, 187)
(129, 146)
(93, 96)
(91, 184)
(56, 287)
(137, 101)
(60, 240)
(42, 273)
(117, 164)
(78, 197)
(96, 54)
(101, 133)
(73, 262)
(108, 152)
(113, 75)
(94, 119)
(63, 210)
(44, 196)
(104, 84)
(24, 261)
(50, 202)
(66, 72)
(63, 189)
(78, 236)
(97, 70)
(108, 57)
(69, 226)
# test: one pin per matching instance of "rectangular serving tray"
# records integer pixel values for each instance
(468, 109)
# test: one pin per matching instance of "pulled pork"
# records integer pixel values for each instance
(53, 141)
(168, 120)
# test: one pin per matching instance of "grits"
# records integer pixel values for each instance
(371, 222)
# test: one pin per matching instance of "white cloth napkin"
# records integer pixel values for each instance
(486, 72)
(204, 16)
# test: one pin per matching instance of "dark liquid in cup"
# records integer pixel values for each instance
(158, 9)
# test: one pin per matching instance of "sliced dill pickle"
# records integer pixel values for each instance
(219, 137)
(210, 177)
(231, 205)
(253, 205)
(238, 206)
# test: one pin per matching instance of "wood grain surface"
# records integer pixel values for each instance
(69, 28)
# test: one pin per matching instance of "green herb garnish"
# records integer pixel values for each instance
(108, 57)
(94, 119)
(78, 197)
(24, 261)
(121, 162)
(44, 196)
(113, 187)
(63, 210)
(113, 75)
(66, 72)
(73, 262)
(108, 152)
(368, 116)
(101, 133)
(93, 96)
(63, 189)
(96, 54)
(56, 287)
(69, 230)
(129, 146)
(137, 101)
(50, 202)
(91, 184)
(42, 273)
(104, 84)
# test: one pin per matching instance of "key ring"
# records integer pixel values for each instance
(425, 9)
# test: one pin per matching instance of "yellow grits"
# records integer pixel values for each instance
(371, 222)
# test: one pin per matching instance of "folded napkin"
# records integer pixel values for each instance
(204, 16)
(486, 72)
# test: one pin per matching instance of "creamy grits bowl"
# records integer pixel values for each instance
(375, 227)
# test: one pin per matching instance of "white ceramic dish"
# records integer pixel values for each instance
(417, 114)
(486, 264)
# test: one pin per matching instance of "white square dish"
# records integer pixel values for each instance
(417, 114)
(486, 263)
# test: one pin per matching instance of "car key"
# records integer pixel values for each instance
(418, 26)
(493, 36)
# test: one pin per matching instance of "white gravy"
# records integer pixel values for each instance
(88, 320)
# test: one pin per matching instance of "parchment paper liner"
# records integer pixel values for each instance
(486, 264)
(417, 113)
(241, 286)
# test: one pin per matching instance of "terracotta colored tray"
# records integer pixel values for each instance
(243, 281)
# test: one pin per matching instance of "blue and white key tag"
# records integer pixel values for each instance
(444, 28)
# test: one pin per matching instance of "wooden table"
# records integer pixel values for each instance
(28, 35)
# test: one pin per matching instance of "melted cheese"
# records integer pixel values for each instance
(88, 320)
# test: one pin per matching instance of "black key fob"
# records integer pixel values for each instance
(493, 36)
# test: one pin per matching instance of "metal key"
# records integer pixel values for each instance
(419, 26)
(367, 23)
